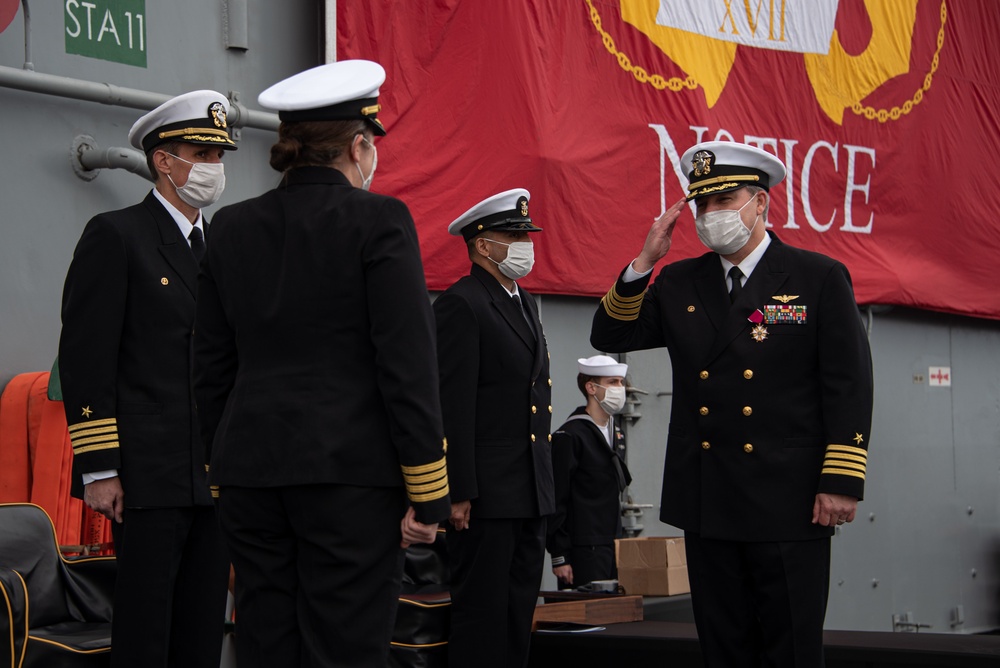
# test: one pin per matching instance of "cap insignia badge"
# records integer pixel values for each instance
(524, 207)
(759, 333)
(702, 163)
(217, 112)
(784, 299)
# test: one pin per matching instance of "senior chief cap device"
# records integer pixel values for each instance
(198, 117)
(342, 91)
(506, 211)
(720, 166)
(601, 366)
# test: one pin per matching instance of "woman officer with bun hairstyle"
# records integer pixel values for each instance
(317, 385)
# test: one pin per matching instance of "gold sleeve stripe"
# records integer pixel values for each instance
(847, 449)
(83, 433)
(614, 310)
(426, 477)
(833, 456)
(836, 471)
(93, 448)
(418, 489)
(625, 301)
(423, 468)
(93, 423)
(844, 465)
(622, 308)
(94, 439)
(430, 496)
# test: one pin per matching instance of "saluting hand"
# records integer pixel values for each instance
(415, 531)
(659, 239)
(460, 514)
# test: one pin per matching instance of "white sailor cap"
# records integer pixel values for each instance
(721, 166)
(198, 117)
(506, 211)
(341, 91)
(601, 366)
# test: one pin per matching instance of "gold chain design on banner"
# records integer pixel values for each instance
(657, 81)
(675, 84)
(884, 115)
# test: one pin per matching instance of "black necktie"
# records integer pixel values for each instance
(520, 307)
(734, 292)
(197, 243)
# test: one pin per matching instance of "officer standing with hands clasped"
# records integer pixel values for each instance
(125, 364)
(317, 384)
(496, 402)
(590, 475)
(772, 407)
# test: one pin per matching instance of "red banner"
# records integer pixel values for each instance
(885, 112)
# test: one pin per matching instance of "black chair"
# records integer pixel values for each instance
(54, 612)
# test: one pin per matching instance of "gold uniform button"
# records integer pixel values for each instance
(690, 309)
(550, 438)
(747, 411)
(532, 438)
(703, 375)
(534, 409)
(550, 409)
(748, 374)
(748, 448)
(550, 382)
(164, 281)
(705, 445)
(703, 410)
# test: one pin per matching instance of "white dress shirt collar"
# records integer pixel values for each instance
(183, 224)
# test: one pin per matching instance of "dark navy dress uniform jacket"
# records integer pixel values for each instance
(765, 415)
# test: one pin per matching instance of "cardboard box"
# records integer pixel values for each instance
(652, 566)
(609, 609)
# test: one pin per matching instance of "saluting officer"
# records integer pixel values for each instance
(772, 407)
(590, 475)
(496, 401)
(317, 384)
(128, 309)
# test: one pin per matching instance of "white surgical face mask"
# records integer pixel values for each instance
(205, 183)
(519, 261)
(614, 399)
(724, 231)
(366, 181)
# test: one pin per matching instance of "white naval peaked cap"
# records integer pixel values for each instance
(342, 91)
(506, 211)
(720, 166)
(198, 117)
(601, 366)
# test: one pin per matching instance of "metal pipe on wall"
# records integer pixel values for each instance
(105, 93)
(88, 159)
(116, 157)
(329, 36)
(28, 65)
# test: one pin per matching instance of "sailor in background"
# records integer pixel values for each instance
(771, 412)
(317, 385)
(590, 476)
(496, 401)
(128, 311)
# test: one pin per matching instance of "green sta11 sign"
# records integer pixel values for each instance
(112, 30)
